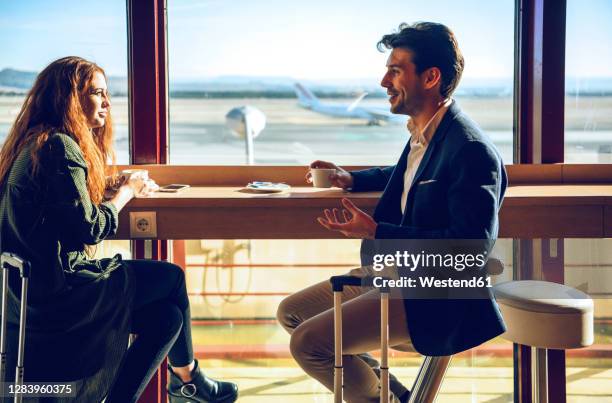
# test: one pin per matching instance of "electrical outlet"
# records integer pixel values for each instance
(143, 224)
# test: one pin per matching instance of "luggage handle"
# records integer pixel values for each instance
(11, 261)
(338, 283)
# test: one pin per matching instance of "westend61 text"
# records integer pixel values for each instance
(432, 282)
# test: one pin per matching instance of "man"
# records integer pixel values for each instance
(448, 184)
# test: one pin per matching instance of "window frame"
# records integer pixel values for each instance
(539, 85)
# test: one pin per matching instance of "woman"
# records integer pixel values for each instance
(52, 212)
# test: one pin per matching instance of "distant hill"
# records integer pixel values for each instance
(14, 81)
(19, 82)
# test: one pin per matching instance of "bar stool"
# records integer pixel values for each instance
(545, 315)
(431, 373)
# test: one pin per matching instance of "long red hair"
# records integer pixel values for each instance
(54, 105)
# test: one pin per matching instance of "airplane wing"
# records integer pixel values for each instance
(384, 115)
(356, 101)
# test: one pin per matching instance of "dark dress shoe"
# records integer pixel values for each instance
(201, 389)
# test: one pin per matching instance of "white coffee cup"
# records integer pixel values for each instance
(320, 177)
(142, 174)
(128, 173)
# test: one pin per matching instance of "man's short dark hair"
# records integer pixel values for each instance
(433, 45)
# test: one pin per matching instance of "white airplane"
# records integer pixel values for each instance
(373, 115)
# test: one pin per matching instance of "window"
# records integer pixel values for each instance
(588, 268)
(588, 82)
(224, 57)
(39, 32)
(245, 59)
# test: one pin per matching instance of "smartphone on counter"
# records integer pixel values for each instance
(173, 188)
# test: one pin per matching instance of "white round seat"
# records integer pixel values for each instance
(545, 315)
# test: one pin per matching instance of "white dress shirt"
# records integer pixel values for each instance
(418, 147)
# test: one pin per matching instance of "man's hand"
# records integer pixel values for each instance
(341, 178)
(357, 223)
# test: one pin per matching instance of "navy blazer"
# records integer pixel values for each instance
(456, 194)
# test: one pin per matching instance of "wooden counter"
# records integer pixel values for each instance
(213, 212)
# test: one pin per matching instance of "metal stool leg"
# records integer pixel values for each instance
(428, 381)
(539, 377)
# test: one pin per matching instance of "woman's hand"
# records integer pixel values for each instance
(141, 186)
(134, 186)
(150, 187)
(113, 183)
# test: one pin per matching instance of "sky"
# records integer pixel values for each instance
(311, 40)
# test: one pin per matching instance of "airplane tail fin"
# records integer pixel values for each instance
(305, 97)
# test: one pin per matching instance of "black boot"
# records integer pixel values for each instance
(201, 389)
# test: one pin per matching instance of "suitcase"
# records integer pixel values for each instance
(338, 284)
(431, 373)
(8, 262)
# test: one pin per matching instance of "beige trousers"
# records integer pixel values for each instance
(308, 316)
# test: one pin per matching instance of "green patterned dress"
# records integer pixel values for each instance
(78, 315)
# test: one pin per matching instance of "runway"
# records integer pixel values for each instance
(295, 136)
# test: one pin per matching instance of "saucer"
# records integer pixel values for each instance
(267, 187)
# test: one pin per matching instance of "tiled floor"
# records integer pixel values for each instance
(235, 352)
(281, 381)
